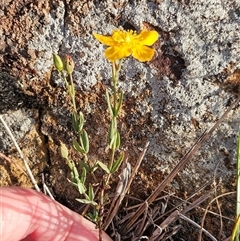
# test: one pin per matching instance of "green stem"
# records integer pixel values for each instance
(111, 163)
(65, 79)
(86, 160)
(70, 88)
(72, 93)
(116, 67)
(115, 75)
(114, 80)
(238, 187)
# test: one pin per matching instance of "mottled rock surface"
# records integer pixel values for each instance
(169, 101)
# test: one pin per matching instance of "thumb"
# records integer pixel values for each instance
(29, 215)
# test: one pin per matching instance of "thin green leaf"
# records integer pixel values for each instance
(94, 168)
(75, 122)
(64, 150)
(84, 141)
(113, 133)
(93, 216)
(78, 147)
(81, 121)
(81, 188)
(117, 163)
(87, 201)
(119, 103)
(83, 175)
(72, 177)
(91, 192)
(104, 167)
(111, 130)
(75, 173)
(84, 165)
(238, 176)
(109, 103)
(236, 230)
(112, 144)
(113, 125)
(73, 183)
(235, 235)
(118, 140)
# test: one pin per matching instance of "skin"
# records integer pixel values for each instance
(31, 216)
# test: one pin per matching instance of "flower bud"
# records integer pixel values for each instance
(57, 62)
(69, 64)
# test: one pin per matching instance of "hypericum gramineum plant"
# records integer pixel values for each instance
(121, 44)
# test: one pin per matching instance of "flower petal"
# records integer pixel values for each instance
(107, 40)
(148, 37)
(143, 53)
(116, 52)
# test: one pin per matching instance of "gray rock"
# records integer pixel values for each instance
(204, 34)
(20, 123)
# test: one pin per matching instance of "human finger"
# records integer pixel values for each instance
(29, 215)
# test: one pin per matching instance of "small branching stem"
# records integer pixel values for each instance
(105, 182)
(64, 78)
(82, 144)
(86, 160)
(72, 93)
(112, 155)
(101, 210)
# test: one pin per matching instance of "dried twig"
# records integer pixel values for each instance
(205, 213)
(218, 205)
(128, 225)
(141, 226)
(197, 225)
(174, 215)
(126, 178)
(46, 189)
(119, 195)
(135, 169)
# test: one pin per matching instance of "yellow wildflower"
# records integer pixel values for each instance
(125, 43)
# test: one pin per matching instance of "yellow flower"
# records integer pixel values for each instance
(125, 43)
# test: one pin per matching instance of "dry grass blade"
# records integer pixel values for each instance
(197, 202)
(206, 210)
(128, 225)
(21, 154)
(135, 169)
(175, 214)
(227, 239)
(141, 226)
(157, 232)
(119, 195)
(123, 186)
(46, 190)
(185, 202)
(198, 226)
